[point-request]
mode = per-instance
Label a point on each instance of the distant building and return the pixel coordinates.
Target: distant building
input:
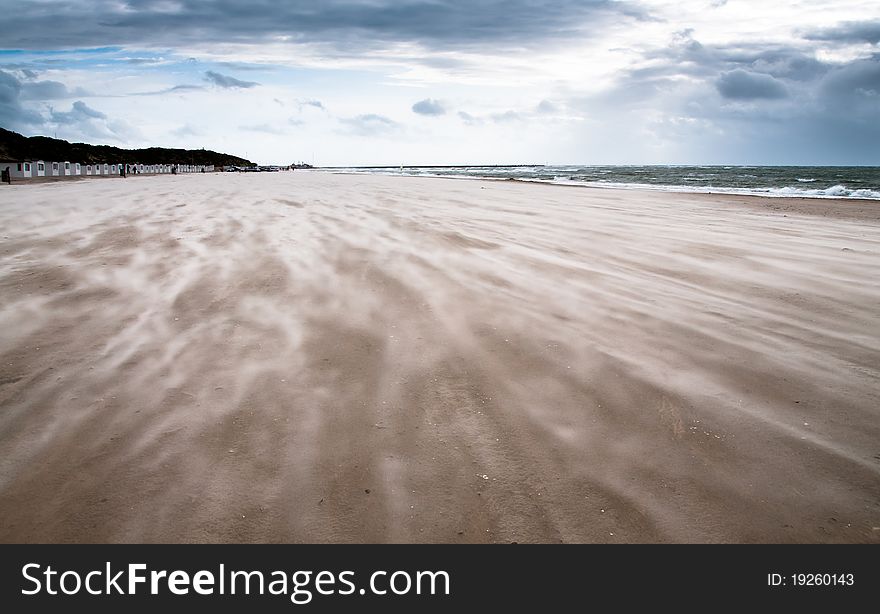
(42, 168)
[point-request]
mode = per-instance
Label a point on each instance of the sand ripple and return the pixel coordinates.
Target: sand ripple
(242, 358)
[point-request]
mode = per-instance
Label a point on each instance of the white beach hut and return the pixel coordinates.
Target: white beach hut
(53, 169)
(21, 170)
(41, 169)
(66, 169)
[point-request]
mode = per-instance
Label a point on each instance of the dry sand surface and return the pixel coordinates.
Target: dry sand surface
(307, 357)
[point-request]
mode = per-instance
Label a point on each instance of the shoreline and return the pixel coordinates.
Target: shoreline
(826, 206)
(639, 188)
(798, 199)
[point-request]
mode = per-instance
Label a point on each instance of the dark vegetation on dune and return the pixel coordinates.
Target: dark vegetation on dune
(16, 147)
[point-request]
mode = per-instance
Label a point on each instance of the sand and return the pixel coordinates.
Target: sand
(308, 357)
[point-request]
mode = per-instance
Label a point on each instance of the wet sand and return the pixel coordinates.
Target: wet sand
(306, 357)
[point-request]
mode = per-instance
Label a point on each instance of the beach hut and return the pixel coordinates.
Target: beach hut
(66, 169)
(77, 169)
(53, 169)
(21, 170)
(106, 169)
(41, 169)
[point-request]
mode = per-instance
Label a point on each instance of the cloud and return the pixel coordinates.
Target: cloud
(143, 61)
(179, 89)
(542, 112)
(84, 123)
(49, 90)
(744, 102)
(227, 82)
(187, 130)
(848, 32)
(80, 112)
(264, 128)
(370, 124)
(545, 107)
(507, 116)
(13, 114)
(741, 85)
(429, 107)
(316, 104)
(349, 26)
(853, 90)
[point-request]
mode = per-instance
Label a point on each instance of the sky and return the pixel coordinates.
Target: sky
(382, 82)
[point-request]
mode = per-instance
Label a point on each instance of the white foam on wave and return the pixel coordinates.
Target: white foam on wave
(837, 191)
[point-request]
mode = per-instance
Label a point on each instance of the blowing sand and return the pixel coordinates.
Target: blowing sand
(306, 357)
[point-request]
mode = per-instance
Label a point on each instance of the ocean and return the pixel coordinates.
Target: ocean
(779, 181)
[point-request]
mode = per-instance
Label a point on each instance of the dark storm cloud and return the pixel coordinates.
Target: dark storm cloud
(848, 32)
(227, 82)
(853, 91)
(687, 56)
(747, 103)
(13, 114)
(342, 24)
(429, 107)
(741, 85)
(31, 116)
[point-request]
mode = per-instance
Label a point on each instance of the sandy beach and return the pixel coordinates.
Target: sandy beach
(308, 357)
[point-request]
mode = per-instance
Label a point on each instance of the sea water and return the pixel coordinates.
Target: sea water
(780, 181)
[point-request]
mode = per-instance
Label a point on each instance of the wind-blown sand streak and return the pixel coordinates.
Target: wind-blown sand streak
(312, 357)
